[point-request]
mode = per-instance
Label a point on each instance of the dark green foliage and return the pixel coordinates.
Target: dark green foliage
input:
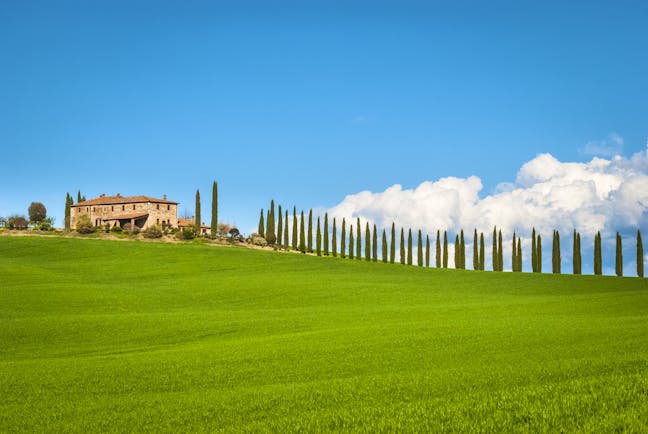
(519, 255)
(334, 238)
(495, 255)
(534, 251)
(83, 225)
(640, 255)
(374, 245)
(286, 243)
(427, 251)
(619, 256)
(419, 256)
(392, 245)
(576, 256)
(384, 247)
(309, 239)
(198, 216)
(214, 209)
(37, 212)
(514, 254)
(279, 226)
(261, 228)
(271, 234)
(409, 246)
(294, 229)
(318, 239)
(555, 254)
(462, 250)
(457, 255)
(80, 198)
(580, 256)
(326, 236)
(482, 252)
(402, 247)
(437, 258)
(598, 261)
(68, 204)
(500, 253)
(359, 240)
(445, 249)
(475, 251)
(302, 233)
(367, 242)
(343, 239)
(539, 254)
(351, 243)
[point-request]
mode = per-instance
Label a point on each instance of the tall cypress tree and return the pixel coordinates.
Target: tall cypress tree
(427, 251)
(575, 253)
(475, 251)
(534, 252)
(302, 234)
(495, 254)
(334, 239)
(384, 246)
(580, 257)
(445, 249)
(598, 262)
(68, 206)
(519, 255)
(619, 256)
(438, 249)
(402, 247)
(409, 246)
(309, 239)
(514, 254)
(462, 251)
(558, 256)
(343, 239)
(374, 245)
(286, 243)
(279, 226)
(261, 228)
(198, 217)
(351, 243)
(79, 196)
(482, 252)
(500, 253)
(640, 255)
(214, 216)
(295, 244)
(271, 235)
(457, 254)
(367, 242)
(419, 256)
(392, 245)
(318, 239)
(539, 254)
(326, 235)
(359, 240)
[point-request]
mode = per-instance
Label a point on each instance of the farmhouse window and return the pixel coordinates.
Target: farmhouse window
(123, 207)
(168, 207)
(158, 206)
(112, 208)
(133, 206)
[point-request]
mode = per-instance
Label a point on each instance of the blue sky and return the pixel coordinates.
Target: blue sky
(306, 102)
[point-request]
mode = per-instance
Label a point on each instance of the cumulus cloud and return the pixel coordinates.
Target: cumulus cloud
(607, 147)
(602, 194)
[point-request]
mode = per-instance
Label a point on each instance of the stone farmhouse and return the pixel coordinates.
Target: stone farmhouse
(140, 211)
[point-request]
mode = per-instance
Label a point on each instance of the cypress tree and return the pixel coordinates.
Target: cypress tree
(427, 251)
(261, 228)
(475, 251)
(575, 253)
(534, 252)
(326, 235)
(598, 262)
(457, 255)
(392, 245)
(343, 239)
(351, 244)
(374, 245)
(445, 249)
(367, 242)
(495, 254)
(309, 239)
(558, 256)
(482, 252)
(619, 256)
(640, 255)
(198, 217)
(514, 255)
(294, 229)
(68, 207)
(384, 246)
(409, 246)
(419, 256)
(580, 257)
(359, 240)
(402, 247)
(271, 235)
(214, 216)
(318, 239)
(334, 239)
(286, 243)
(539, 254)
(462, 251)
(79, 196)
(438, 250)
(500, 253)
(279, 226)
(519, 255)
(302, 234)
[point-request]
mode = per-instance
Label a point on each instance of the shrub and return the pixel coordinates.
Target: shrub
(3, 222)
(259, 241)
(116, 229)
(187, 234)
(154, 231)
(17, 222)
(47, 224)
(84, 225)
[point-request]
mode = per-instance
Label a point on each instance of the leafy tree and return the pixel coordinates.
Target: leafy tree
(419, 256)
(198, 216)
(37, 212)
(374, 245)
(482, 252)
(326, 235)
(343, 239)
(279, 226)
(619, 256)
(384, 246)
(214, 216)
(334, 239)
(392, 245)
(302, 234)
(539, 254)
(309, 240)
(351, 243)
(286, 243)
(402, 246)
(367, 242)
(318, 239)
(359, 240)
(445, 249)
(427, 251)
(475, 251)
(294, 229)
(438, 249)
(68, 206)
(640, 255)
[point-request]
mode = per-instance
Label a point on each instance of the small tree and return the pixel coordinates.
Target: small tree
(214, 215)
(445, 249)
(198, 216)
(438, 249)
(619, 256)
(495, 254)
(343, 239)
(279, 226)
(539, 254)
(475, 251)
(457, 255)
(367, 242)
(318, 239)
(462, 250)
(427, 251)
(359, 240)
(334, 239)
(302, 234)
(261, 229)
(294, 229)
(519, 255)
(534, 251)
(402, 247)
(392, 244)
(68, 206)
(598, 262)
(351, 243)
(309, 240)
(271, 235)
(37, 212)
(286, 243)
(419, 250)
(575, 253)
(384, 247)
(482, 252)
(374, 245)
(326, 235)
(514, 254)
(84, 225)
(640, 255)
(18, 222)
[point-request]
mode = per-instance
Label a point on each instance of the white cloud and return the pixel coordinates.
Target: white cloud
(607, 147)
(602, 194)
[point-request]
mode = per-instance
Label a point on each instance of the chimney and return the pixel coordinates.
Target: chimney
(102, 195)
(164, 197)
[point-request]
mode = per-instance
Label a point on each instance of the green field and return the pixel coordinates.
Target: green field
(123, 336)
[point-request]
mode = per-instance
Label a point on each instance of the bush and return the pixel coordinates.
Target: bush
(116, 229)
(259, 241)
(17, 222)
(3, 222)
(84, 225)
(47, 224)
(187, 234)
(152, 232)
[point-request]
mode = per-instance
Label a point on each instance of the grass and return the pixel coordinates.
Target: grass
(102, 335)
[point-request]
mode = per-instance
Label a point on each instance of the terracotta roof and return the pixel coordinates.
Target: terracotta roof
(111, 200)
(128, 216)
(190, 222)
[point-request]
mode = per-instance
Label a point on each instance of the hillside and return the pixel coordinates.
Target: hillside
(129, 336)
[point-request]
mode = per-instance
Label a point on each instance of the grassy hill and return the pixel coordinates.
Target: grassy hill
(132, 336)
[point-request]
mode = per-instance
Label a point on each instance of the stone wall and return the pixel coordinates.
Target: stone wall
(158, 213)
